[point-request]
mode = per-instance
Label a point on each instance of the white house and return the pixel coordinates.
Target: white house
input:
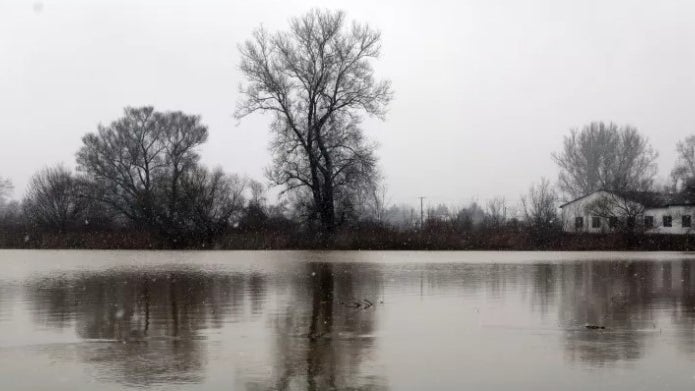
(603, 211)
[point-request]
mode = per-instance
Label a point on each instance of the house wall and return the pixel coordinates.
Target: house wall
(578, 208)
(676, 213)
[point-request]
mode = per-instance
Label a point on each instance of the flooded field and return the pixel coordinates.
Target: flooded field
(102, 320)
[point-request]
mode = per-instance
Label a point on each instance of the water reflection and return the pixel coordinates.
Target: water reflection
(324, 332)
(155, 318)
(342, 325)
(635, 301)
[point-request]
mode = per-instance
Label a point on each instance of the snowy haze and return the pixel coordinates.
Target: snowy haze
(484, 89)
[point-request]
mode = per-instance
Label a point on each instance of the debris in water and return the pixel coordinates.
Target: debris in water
(595, 327)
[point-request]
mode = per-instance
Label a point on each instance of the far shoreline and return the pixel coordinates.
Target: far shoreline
(360, 240)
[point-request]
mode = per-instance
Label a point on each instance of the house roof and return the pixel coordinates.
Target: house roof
(649, 199)
(578, 198)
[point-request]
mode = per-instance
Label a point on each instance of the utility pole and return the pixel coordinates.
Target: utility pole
(422, 214)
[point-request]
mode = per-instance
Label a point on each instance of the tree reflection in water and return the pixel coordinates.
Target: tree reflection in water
(322, 331)
(634, 300)
(156, 318)
(324, 338)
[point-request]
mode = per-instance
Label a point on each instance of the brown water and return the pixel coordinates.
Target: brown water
(102, 320)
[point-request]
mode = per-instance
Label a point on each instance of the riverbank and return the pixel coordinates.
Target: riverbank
(356, 239)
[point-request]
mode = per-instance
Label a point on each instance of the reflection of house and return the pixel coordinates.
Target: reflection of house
(604, 211)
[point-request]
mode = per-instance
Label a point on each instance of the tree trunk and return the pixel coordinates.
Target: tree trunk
(327, 209)
(327, 215)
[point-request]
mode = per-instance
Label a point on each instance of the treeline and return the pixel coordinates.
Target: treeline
(139, 182)
(139, 186)
(139, 177)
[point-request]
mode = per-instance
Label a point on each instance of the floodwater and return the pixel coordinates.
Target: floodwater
(106, 320)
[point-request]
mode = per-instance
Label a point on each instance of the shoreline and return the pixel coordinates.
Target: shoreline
(360, 240)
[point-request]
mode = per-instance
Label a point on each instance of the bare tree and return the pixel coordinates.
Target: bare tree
(55, 199)
(138, 163)
(605, 156)
(124, 159)
(5, 190)
(540, 209)
(402, 217)
(8, 209)
(316, 79)
(683, 172)
(255, 215)
(212, 201)
(257, 193)
(377, 198)
(496, 213)
(469, 218)
(182, 135)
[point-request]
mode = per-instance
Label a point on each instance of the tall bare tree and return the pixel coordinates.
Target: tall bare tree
(316, 79)
(605, 156)
(683, 172)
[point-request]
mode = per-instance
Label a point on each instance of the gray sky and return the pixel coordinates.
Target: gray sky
(485, 89)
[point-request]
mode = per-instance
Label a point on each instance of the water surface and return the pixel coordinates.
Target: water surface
(106, 320)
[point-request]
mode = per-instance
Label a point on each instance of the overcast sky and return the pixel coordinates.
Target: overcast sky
(485, 89)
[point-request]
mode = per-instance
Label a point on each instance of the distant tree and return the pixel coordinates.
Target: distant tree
(496, 213)
(211, 201)
(316, 79)
(257, 193)
(5, 190)
(55, 199)
(366, 200)
(540, 210)
(605, 156)
(376, 199)
(9, 210)
(255, 216)
(440, 213)
(139, 162)
(683, 172)
(402, 217)
(11, 215)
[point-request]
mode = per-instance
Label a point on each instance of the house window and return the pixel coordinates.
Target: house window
(685, 221)
(612, 222)
(595, 222)
(579, 222)
(667, 221)
(631, 222)
(648, 221)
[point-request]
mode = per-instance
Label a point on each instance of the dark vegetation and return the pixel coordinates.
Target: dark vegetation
(366, 237)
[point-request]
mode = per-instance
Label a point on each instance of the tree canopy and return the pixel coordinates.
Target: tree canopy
(144, 166)
(605, 156)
